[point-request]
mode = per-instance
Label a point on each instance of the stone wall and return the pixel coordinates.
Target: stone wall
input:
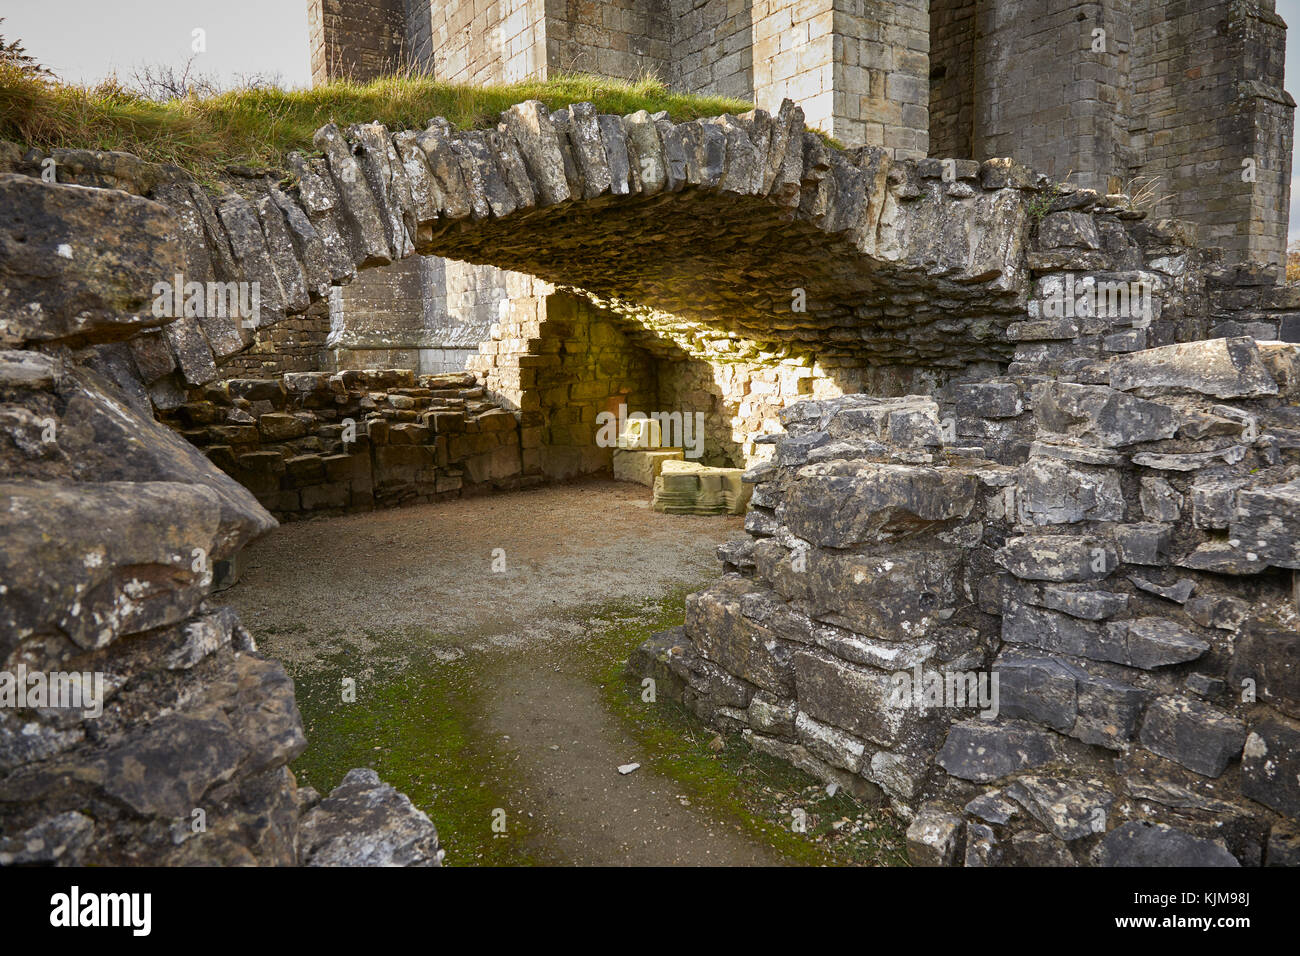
(316, 443)
(1182, 93)
(172, 741)
(627, 39)
(1208, 96)
(880, 77)
(356, 39)
(425, 313)
(298, 344)
(858, 69)
(1046, 93)
(714, 49)
(480, 41)
(1108, 529)
(561, 364)
(953, 43)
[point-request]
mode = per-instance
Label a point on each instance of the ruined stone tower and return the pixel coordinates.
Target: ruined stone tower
(1186, 91)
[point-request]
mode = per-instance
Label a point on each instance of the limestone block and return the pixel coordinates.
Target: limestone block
(686, 487)
(643, 467)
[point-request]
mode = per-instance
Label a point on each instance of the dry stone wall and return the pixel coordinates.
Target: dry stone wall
(314, 443)
(138, 722)
(1108, 530)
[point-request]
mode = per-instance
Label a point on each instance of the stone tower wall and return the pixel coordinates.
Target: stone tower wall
(358, 39)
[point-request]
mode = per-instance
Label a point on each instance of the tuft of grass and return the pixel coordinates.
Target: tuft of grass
(257, 127)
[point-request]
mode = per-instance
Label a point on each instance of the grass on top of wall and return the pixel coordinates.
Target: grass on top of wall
(257, 127)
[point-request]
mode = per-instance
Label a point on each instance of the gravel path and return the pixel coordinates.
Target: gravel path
(391, 586)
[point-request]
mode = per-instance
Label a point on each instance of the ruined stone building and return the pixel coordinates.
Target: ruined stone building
(990, 421)
(1184, 98)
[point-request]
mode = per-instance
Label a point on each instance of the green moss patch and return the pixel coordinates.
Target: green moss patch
(415, 726)
(836, 829)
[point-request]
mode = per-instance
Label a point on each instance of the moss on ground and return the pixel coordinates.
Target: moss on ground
(257, 127)
(415, 722)
(415, 726)
(707, 765)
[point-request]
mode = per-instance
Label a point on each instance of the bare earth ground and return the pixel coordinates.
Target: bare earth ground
(413, 592)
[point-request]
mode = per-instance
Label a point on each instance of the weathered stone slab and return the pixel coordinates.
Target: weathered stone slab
(1266, 522)
(879, 502)
(1069, 809)
(319, 198)
(386, 176)
(1058, 557)
(1142, 843)
(1102, 414)
(1050, 491)
(1195, 734)
(728, 638)
(1224, 368)
(983, 752)
(530, 124)
(1270, 765)
(123, 560)
(357, 211)
(646, 151)
(284, 256)
(934, 838)
(79, 264)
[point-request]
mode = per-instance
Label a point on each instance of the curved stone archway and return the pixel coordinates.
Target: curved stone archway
(750, 226)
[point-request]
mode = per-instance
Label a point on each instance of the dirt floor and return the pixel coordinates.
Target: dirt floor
(483, 638)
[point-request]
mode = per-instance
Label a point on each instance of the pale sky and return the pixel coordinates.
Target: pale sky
(85, 40)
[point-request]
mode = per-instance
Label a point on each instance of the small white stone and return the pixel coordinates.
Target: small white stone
(627, 768)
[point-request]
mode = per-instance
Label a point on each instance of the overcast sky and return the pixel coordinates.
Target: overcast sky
(85, 40)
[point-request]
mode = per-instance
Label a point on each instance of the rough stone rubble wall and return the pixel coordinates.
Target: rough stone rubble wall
(113, 528)
(1111, 528)
(298, 344)
(315, 443)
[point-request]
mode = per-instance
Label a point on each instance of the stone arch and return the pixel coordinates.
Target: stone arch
(750, 233)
